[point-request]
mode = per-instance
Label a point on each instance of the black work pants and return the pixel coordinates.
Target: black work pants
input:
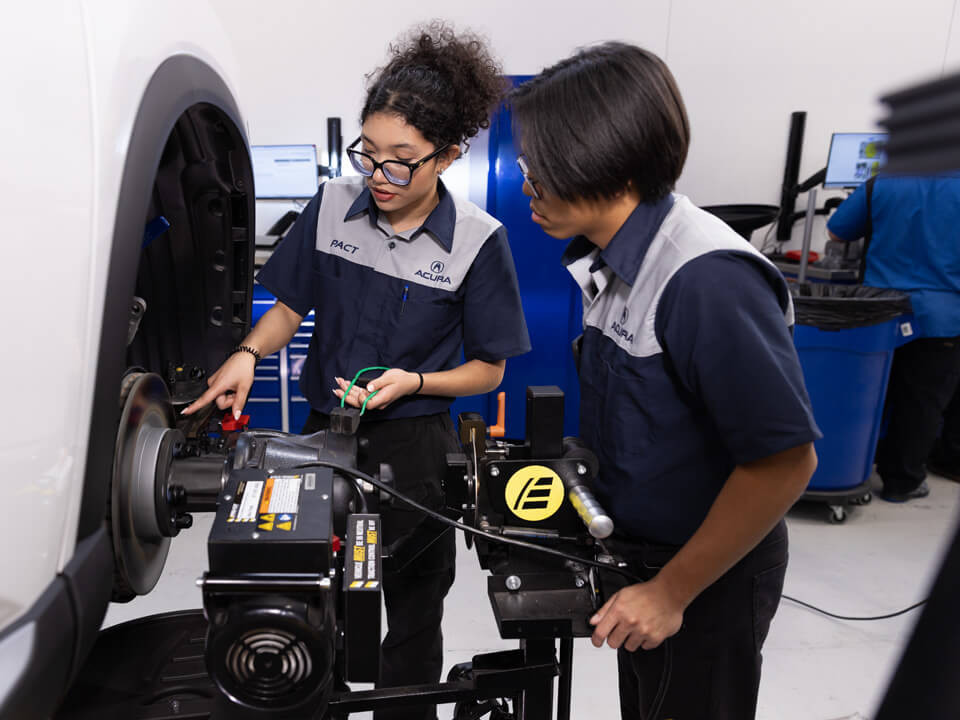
(715, 658)
(416, 448)
(948, 444)
(923, 380)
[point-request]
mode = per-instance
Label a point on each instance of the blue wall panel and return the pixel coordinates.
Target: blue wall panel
(551, 300)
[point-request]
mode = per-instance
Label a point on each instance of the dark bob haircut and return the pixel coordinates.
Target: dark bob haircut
(607, 117)
(445, 84)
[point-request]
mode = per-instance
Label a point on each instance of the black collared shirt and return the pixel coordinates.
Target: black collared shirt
(687, 367)
(420, 300)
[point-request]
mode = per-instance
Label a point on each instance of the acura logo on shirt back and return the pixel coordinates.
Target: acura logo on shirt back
(435, 274)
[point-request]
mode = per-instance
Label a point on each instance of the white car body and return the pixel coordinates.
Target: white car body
(74, 83)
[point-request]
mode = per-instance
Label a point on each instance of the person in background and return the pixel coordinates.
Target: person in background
(402, 275)
(911, 227)
(691, 391)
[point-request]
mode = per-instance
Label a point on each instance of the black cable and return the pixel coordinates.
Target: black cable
(668, 653)
(557, 553)
(466, 528)
(849, 617)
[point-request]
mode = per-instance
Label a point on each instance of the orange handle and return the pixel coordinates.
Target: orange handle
(500, 428)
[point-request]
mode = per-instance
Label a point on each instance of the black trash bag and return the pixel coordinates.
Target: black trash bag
(840, 307)
(744, 219)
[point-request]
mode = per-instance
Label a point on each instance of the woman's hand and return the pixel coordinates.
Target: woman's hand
(229, 385)
(393, 384)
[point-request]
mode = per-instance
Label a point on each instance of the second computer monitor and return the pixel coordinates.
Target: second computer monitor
(285, 171)
(854, 158)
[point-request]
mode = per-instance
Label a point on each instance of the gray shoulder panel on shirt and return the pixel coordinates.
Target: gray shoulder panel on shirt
(422, 260)
(627, 314)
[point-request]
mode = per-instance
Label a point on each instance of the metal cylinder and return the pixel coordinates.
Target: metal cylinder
(593, 515)
(807, 230)
(202, 479)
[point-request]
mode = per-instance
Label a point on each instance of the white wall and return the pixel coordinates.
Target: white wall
(743, 66)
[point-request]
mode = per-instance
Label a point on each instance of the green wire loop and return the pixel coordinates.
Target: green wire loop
(363, 408)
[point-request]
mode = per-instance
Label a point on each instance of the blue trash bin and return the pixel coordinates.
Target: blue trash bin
(845, 337)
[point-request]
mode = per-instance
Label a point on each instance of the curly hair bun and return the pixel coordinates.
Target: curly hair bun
(445, 84)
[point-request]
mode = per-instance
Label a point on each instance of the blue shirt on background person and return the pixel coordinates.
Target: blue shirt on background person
(915, 244)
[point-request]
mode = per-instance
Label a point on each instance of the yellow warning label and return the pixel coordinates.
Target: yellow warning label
(356, 583)
(266, 526)
(359, 553)
(285, 526)
(371, 537)
(268, 518)
(266, 522)
(371, 584)
(534, 493)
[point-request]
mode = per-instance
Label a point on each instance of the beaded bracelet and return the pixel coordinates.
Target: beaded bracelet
(247, 349)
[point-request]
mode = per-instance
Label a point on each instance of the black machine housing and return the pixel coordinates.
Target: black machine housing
(292, 597)
(533, 490)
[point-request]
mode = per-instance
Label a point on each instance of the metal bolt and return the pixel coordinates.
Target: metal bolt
(333, 572)
(325, 496)
(494, 471)
(581, 469)
(256, 536)
(175, 705)
(183, 521)
(464, 506)
(227, 498)
(513, 583)
(579, 582)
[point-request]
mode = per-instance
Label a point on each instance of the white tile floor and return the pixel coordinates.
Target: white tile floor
(881, 559)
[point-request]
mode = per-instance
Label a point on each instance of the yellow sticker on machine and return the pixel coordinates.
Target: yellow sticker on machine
(534, 493)
(362, 569)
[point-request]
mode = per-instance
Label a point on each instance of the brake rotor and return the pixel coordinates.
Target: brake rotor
(140, 548)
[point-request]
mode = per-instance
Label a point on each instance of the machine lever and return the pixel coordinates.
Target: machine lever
(593, 515)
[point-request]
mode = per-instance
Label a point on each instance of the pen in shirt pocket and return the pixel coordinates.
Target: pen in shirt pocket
(403, 299)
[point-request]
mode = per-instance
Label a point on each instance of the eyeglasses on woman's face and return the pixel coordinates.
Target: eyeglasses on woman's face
(397, 172)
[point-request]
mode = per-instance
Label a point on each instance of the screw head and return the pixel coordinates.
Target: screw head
(579, 582)
(513, 583)
(581, 469)
(494, 471)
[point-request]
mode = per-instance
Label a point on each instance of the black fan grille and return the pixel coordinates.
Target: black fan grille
(269, 664)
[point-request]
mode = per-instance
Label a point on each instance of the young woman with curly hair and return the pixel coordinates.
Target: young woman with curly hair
(405, 276)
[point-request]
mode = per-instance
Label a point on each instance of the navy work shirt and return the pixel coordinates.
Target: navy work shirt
(915, 245)
(687, 367)
(409, 300)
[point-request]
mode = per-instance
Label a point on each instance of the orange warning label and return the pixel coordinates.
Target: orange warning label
(265, 498)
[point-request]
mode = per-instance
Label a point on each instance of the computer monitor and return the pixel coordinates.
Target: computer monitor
(854, 158)
(285, 171)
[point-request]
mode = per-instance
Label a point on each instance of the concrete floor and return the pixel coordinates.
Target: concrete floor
(882, 559)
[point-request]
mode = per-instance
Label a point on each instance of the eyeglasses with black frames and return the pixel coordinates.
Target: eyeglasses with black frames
(525, 171)
(397, 172)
